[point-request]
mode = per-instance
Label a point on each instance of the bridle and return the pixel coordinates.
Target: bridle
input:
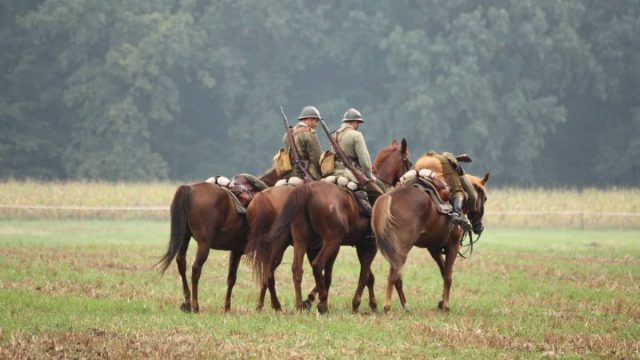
(406, 166)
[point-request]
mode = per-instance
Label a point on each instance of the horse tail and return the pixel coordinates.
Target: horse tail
(386, 229)
(258, 250)
(180, 233)
(295, 205)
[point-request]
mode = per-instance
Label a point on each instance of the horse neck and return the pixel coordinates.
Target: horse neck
(386, 169)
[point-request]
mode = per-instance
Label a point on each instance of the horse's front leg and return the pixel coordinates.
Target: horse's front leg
(450, 258)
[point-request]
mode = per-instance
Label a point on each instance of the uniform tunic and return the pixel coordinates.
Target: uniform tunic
(354, 147)
(309, 148)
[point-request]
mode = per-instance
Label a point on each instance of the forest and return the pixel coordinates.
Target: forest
(538, 92)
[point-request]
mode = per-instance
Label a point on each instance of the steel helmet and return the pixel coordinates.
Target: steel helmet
(309, 112)
(352, 115)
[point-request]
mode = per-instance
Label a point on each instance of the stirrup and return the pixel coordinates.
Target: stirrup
(461, 220)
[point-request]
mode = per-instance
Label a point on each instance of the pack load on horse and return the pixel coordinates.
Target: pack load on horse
(416, 213)
(321, 215)
(213, 213)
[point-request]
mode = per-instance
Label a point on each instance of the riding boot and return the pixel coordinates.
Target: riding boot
(457, 216)
(363, 201)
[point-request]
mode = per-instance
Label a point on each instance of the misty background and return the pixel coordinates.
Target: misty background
(538, 92)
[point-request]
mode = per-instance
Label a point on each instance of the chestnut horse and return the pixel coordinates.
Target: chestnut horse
(407, 217)
(205, 212)
(324, 216)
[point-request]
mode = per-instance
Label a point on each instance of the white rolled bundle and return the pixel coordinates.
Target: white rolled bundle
(352, 186)
(281, 182)
(222, 181)
(295, 181)
(342, 181)
(330, 179)
(427, 174)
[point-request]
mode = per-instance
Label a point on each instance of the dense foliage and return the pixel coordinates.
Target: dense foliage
(538, 92)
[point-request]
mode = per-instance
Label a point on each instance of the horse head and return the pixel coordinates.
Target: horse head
(475, 216)
(392, 162)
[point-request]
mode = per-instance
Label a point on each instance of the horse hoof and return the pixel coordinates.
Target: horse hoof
(277, 308)
(306, 305)
(442, 307)
(406, 308)
(374, 307)
(386, 309)
(227, 308)
(185, 307)
(322, 309)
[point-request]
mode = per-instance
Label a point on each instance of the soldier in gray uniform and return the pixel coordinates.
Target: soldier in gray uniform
(307, 143)
(354, 147)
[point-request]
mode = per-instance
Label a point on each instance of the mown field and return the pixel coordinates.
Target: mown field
(84, 286)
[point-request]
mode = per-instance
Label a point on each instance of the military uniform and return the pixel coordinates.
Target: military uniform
(352, 143)
(453, 175)
(308, 146)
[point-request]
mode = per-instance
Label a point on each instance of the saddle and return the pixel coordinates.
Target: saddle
(241, 189)
(358, 194)
(426, 180)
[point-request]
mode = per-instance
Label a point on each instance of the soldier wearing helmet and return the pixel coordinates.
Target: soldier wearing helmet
(354, 147)
(307, 143)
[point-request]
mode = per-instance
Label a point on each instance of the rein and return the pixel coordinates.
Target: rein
(469, 246)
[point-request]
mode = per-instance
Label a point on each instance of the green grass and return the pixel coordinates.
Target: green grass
(77, 288)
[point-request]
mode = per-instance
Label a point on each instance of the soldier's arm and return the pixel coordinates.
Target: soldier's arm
(363, 154)
(315, 150)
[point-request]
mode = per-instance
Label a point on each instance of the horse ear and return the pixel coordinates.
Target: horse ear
(404, 147)
(485, 178)
(394, 142)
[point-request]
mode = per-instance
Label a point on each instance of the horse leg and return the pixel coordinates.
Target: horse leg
(311, 255)
(436, 254)
(181, 260)
(395, 280)
(450, 258)
(327, 254)
(373, 304)
(366, 253)
(196, 271)
(296, 269)
(271, 281)
(234, 261)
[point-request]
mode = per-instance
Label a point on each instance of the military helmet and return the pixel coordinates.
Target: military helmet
(352, 115)
(309, 112)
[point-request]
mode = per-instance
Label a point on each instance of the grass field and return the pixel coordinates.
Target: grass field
(86, 289)
(590, 209)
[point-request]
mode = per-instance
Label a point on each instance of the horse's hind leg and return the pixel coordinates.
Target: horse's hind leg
(296, 269)
(234, 261)
(366, 253)
(395, 280)
(311, 255)
(322, 266)
(196, 271)
(181, 260)
(271, 280)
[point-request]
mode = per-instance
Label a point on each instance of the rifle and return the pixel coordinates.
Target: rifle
(292, 145)
(356, 172)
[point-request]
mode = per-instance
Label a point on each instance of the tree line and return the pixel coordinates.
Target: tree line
(537, 92)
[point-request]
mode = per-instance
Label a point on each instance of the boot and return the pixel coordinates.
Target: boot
(457, 216)
(363, 202)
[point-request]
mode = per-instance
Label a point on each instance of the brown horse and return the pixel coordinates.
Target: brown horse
(407, 217)
(205, 212)
(323, 216)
